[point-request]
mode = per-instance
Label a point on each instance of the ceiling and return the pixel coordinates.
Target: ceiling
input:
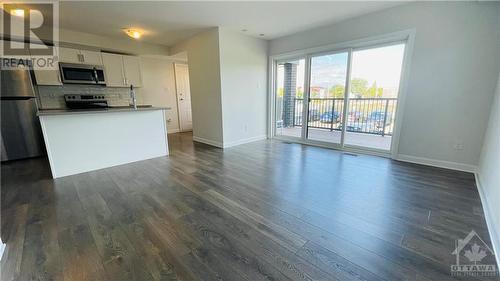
(170, 22)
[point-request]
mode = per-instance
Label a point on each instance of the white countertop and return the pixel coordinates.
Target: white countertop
(45, 112)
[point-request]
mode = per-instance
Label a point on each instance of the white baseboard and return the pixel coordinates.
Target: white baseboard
(207, 141)
(172, 131)
(242, 141)
(437, 163)
(229, 144)
(492, 228)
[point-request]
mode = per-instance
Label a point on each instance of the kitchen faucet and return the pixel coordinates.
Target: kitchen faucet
(133, 100)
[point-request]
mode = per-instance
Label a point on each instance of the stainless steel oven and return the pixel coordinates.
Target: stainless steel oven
(72, 73)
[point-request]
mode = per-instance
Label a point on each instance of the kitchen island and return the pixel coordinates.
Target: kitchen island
(79, 141)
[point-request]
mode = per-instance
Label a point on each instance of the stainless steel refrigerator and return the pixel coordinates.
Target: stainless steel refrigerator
(21, 135)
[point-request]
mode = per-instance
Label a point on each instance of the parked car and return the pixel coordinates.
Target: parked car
(330, 116)
(378, 116)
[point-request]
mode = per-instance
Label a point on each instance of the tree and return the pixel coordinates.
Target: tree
(380, 92)
(299, 94)
(281, 92)
(337, 91)
(359, 86)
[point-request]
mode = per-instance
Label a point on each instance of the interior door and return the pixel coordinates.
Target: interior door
(327, 84)
(183, 97)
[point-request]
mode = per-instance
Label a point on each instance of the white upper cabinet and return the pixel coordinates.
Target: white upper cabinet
(121, 70)
(132, 69)
(79, 56)
(91, 57)
(69, 55)
(113, 68)
(47, 76)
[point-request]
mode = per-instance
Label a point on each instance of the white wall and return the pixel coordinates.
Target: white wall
(228, 80)
(452, 75)
(205, 85)
(489, 170)
(158, 89)
(243, 66)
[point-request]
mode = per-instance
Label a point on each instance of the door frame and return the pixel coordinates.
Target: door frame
(179, 115)
(406, 36)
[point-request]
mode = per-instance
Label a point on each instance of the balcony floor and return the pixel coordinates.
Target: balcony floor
(357, 139)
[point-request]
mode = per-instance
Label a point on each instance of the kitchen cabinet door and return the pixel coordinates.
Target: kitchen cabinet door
(70, 55)
(47, 76)
(91, 57)
(113, 69)
(132, 67)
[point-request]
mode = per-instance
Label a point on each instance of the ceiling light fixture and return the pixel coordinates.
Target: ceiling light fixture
(134, 33)
(17, 12)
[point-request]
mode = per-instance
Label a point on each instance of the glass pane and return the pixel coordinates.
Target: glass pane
(327, 92)
(289, 97)
(373, 96)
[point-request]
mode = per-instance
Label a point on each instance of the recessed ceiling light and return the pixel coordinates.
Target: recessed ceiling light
(134, 33)
(17, 12)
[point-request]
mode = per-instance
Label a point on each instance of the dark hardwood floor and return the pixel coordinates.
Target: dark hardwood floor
(266, 210)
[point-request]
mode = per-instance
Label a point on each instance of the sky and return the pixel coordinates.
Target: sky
(382, 65)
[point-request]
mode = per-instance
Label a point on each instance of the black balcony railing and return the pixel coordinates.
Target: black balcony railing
(365, 115)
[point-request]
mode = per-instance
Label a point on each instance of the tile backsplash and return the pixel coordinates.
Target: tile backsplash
(52, 97)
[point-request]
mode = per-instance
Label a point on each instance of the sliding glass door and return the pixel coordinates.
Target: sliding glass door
(346, 98)
(373, 96)
(290, 97)
(328, 77)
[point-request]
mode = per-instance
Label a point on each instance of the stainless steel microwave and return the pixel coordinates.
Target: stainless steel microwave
(72, 73)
